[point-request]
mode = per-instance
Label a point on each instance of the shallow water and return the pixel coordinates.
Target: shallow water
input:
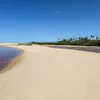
(6, 55)
(88, 49)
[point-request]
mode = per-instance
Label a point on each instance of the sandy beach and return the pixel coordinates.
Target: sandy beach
(52, 74)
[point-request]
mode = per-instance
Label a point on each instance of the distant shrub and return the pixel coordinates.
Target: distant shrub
(28, 44)
(20, 43)
(81, 41)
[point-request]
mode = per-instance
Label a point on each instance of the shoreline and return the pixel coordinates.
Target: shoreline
(79, 48)
(48, 74)
(14, 61)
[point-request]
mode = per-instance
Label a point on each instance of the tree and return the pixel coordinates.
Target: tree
(97, 38)
(71, 39)
(92, 37)
(58, 39)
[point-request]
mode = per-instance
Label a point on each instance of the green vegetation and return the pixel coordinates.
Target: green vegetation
(81, 41)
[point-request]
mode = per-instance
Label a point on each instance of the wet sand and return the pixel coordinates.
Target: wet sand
(7, 55)
(81, 48)
(52, 74)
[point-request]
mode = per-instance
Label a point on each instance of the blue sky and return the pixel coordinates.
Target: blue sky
(48, 20)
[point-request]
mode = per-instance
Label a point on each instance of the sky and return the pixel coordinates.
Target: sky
(48, 20)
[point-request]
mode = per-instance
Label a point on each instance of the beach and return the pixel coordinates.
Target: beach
(52, 74)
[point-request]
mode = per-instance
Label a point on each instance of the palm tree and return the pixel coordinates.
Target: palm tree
(80, 38)
(97, 38)
(58, 39)
(92, 37)
(71, 39)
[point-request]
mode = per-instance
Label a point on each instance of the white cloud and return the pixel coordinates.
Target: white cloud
(55, 13)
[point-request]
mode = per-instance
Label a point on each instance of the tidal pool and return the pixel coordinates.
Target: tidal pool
(7, 55)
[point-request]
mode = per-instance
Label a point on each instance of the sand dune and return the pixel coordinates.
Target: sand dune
(52, 74)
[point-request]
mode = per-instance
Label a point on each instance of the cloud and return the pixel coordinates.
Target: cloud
(56, 13)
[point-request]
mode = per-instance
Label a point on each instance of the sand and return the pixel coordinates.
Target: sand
(52, 74)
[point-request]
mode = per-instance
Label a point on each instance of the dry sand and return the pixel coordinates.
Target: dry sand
(52, 74)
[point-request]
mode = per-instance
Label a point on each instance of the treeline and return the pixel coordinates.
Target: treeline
(81, 41)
